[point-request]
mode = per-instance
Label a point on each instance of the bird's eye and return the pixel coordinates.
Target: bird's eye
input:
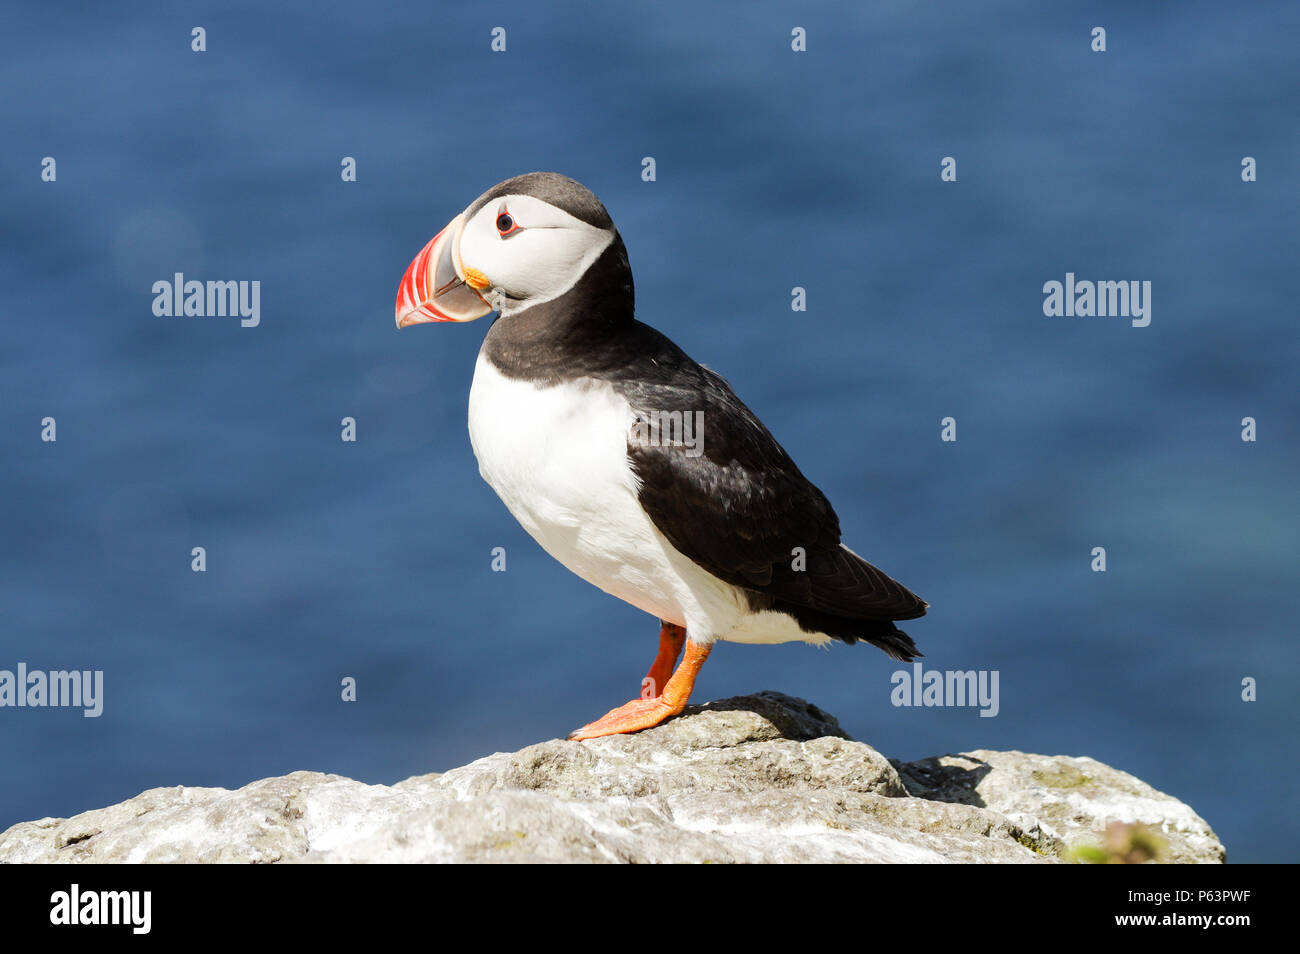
(506, 223)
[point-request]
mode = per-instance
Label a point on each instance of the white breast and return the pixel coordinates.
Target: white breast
(557, 458)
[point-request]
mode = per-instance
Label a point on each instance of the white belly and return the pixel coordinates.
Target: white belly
(557, 458)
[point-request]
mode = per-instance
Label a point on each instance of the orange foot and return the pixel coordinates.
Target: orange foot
(644, 713)
(671, 637)
(629, 717)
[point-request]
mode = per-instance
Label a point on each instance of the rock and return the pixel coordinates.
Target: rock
(1069, 798)
(762, 778)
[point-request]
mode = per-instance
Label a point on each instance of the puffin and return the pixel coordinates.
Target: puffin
(635, 467)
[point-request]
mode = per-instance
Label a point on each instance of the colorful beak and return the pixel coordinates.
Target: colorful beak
(434, 287)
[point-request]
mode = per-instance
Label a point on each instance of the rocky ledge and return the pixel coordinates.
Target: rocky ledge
(761, 778)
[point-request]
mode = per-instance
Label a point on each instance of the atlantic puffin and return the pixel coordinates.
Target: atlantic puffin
(632, 465)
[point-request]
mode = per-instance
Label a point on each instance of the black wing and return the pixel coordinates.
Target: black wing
(737, 505)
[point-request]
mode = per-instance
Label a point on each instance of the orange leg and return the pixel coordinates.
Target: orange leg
(671, 637)
(644, 713)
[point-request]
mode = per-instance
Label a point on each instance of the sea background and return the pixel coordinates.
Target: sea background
(819, 169)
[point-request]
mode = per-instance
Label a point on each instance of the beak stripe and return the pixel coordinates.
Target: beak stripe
(414, 291)
(433, 290)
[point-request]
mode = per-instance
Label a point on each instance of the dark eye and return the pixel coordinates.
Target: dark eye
(505, 223)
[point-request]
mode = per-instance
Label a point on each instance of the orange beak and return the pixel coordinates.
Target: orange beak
(434, 286)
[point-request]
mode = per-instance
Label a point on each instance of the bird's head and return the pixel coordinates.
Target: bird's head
(525, 241)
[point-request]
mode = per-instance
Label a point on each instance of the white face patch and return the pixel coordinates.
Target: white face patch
(544, 256)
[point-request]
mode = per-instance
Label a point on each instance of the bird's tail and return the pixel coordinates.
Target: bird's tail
(895, 643)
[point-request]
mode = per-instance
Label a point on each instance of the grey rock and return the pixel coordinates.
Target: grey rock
(761, 778)
(1072, 799)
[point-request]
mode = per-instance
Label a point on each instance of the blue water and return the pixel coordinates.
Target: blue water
(372, 560)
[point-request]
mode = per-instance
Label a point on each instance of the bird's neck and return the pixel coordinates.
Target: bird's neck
(586, 327)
